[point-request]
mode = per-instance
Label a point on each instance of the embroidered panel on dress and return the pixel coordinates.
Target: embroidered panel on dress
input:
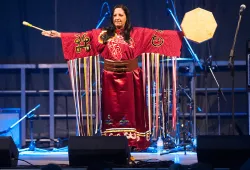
(115, 48)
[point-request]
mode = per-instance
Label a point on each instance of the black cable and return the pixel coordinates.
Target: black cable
(156, 164)
(26, 162)
(39, 142)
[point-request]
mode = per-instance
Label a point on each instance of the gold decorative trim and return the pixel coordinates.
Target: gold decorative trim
(130, 133)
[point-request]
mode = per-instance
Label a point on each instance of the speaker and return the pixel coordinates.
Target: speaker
(98, 150)
(8, 152)
(9, 116)
(223, 151)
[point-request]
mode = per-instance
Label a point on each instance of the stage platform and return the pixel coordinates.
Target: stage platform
(38, 159)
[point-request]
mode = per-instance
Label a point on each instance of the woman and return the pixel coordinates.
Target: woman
(123, 102)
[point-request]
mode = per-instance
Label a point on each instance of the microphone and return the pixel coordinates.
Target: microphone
(209, 58)
(209, 61)
(242, 8)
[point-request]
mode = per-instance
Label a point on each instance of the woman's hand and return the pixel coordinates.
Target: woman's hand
(52, 34)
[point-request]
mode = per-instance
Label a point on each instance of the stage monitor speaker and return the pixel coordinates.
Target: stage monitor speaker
(98, 150)
(9, 116)
(8, 152)
(223, 151)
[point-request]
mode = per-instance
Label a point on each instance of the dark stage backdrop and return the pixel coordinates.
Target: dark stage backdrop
(24, 45)
(20, 44)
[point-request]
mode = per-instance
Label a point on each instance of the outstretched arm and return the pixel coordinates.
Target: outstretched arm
(164, 42)
(52, 34)
(76, 45)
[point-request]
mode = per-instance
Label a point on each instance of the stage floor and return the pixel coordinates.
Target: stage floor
(61, 157)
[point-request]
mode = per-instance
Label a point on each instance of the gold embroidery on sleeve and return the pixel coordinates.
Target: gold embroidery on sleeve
(157, 40)
(82, 43)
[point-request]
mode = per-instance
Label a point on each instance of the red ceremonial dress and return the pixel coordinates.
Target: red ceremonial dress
(124, 110)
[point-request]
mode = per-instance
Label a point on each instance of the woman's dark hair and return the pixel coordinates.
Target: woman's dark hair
(111, 29)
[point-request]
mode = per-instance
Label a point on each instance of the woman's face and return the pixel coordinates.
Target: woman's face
(119, 18)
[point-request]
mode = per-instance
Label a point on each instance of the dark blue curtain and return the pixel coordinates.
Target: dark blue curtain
(19, 44)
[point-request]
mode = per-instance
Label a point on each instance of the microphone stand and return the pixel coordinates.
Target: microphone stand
(208, 64)
(206, 96)
(103, 18)
(231, 66)
(16, 123)
(32, 143)
(219, 91)
(191, 107)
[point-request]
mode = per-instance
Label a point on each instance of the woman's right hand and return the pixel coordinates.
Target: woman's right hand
(52, 33)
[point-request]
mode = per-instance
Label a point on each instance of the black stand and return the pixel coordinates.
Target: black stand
(231, 64)
(189, 125)
(184, 143)
(206, 95)
(32, 145)
(219, 91)
(208, 64)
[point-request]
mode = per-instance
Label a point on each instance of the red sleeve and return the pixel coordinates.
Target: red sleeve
(166, 42)
(79, 45)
